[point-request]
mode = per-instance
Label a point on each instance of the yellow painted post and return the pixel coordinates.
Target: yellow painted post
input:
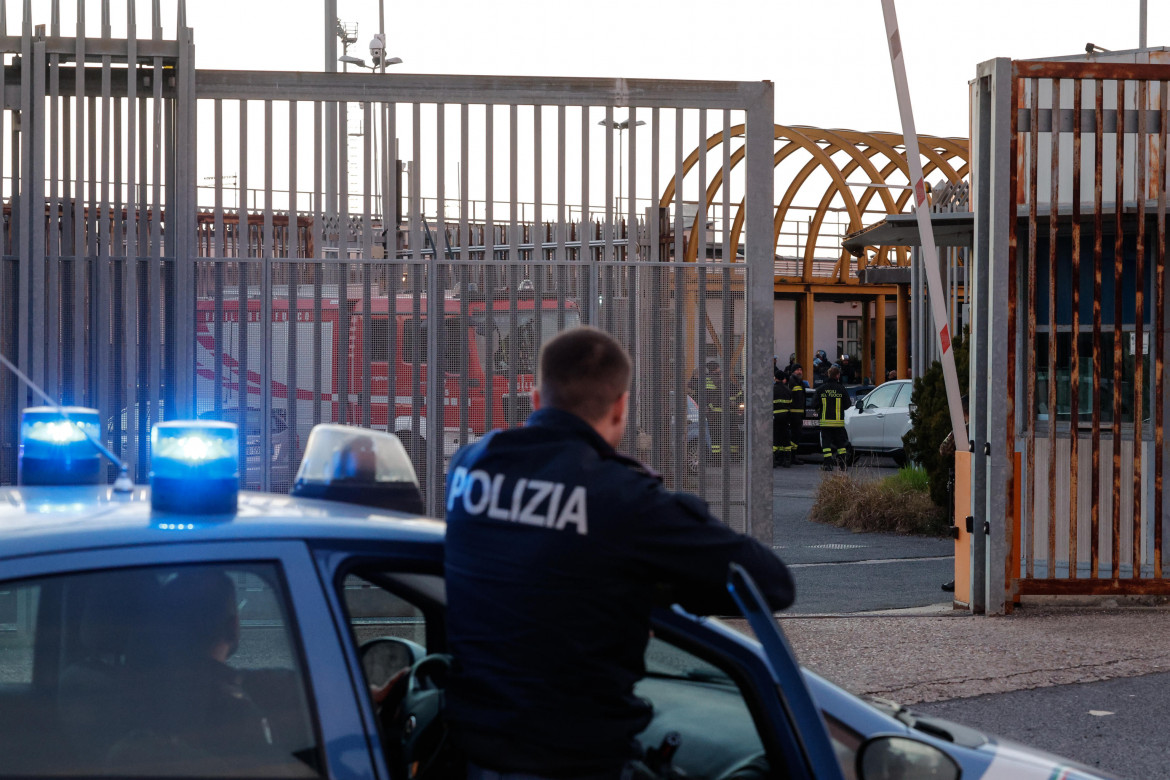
(962, 509)
(807, 328)
(866, 351)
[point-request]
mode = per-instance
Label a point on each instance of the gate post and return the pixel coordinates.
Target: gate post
(991, 412)
(760, 258)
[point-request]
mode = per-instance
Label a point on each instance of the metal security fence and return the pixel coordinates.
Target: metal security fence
(1079, 200)
(283, 249)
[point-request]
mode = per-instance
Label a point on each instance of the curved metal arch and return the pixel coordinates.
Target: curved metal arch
(860, 147)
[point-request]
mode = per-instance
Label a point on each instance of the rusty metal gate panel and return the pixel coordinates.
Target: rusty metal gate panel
(275, 248)
(1086, 241)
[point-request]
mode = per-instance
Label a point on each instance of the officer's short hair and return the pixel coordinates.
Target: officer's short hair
(583, 371)
(834, 372)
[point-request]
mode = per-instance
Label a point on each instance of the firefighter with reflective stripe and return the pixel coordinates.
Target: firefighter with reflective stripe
(782, 446)
(557, 548)
(831, 400)
(798, 387)
(714, 398)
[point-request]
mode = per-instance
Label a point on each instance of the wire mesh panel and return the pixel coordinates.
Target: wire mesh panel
(507, 219)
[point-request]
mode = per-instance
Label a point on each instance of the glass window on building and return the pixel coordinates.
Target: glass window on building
(848, 338)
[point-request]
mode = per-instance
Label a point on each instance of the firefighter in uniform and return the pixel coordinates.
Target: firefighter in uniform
(797, 385)
(830, 400)
(713, 397)
(782, 446)
(557, 548)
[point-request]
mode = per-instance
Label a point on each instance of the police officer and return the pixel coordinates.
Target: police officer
(830, 400)
(782, 446)
(798, 387)
(557, 547)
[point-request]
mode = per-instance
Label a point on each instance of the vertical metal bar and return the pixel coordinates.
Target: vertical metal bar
(78, 223)
(1013, 518)
(53, 283)
(585, 232)
(562, 253)
(727, 257)
(1139, 283)
(1118, 323)
(342, 358)
(318, 358)
(513, 264)
(134, 433)
(390, 209)
(266, 295)
(464, 271)
(631, 271)
(155, 295)
(1098, 362)
(436, 305)
(104, 358)
(489, 258)
(220, 254)
(183, 144)
(681, 337)
(292, 376)
(609, 218)
(367, 238)
(244, 269)
(723, 434)
(1160, 325)
(1075, 354)
(1028, 514)
(22, 162)
(34, 201)
(418, 270)
(1053, 336)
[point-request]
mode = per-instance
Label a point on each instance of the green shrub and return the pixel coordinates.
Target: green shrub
(930, 422)
(899, 503)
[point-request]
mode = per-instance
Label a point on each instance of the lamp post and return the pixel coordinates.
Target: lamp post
(621, 127)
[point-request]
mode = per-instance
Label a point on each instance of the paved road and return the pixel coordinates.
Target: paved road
(838, 571)
(1118, 726)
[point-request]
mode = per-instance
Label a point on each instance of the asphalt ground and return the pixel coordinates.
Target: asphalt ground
(1089, 681)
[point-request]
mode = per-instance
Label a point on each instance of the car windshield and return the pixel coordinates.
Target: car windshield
(664, 660)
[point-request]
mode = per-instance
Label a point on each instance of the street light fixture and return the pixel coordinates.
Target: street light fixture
(621, 127)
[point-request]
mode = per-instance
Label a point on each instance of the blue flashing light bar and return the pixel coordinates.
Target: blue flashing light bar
(195, 467)
(55, 448)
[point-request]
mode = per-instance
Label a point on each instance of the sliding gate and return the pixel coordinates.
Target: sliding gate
(283, 249)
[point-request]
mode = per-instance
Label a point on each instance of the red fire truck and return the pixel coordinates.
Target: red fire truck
(488, 349)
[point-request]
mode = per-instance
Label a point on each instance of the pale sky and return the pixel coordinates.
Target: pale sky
(828, 58)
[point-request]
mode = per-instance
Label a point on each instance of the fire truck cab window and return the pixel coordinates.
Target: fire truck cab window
(510, 351)
(454, 346)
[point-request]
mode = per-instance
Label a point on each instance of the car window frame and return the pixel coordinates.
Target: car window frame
(905, 392)
(869, 403)
(333, 715)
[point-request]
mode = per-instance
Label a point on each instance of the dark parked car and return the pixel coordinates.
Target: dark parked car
(810, 439)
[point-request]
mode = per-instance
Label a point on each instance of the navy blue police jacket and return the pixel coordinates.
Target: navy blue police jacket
(557, 548)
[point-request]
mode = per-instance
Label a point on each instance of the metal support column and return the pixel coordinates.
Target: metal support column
(880, 340)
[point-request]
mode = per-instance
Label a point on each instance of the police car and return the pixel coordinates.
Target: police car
(189, 629)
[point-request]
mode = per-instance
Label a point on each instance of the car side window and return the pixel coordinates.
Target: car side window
(180, 671)
(904, 394)
(881, 397)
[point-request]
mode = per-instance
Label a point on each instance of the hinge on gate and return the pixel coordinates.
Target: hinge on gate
(970, 524)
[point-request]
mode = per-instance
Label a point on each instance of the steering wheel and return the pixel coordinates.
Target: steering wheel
(413, 719)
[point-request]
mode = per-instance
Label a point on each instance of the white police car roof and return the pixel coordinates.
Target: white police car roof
(40, 520)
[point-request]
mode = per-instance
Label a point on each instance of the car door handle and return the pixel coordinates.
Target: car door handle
(880, 416)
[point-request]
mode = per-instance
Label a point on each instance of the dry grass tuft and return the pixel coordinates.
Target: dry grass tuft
(897, 504)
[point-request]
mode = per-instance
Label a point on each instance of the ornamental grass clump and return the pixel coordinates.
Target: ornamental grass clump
(899, 503)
